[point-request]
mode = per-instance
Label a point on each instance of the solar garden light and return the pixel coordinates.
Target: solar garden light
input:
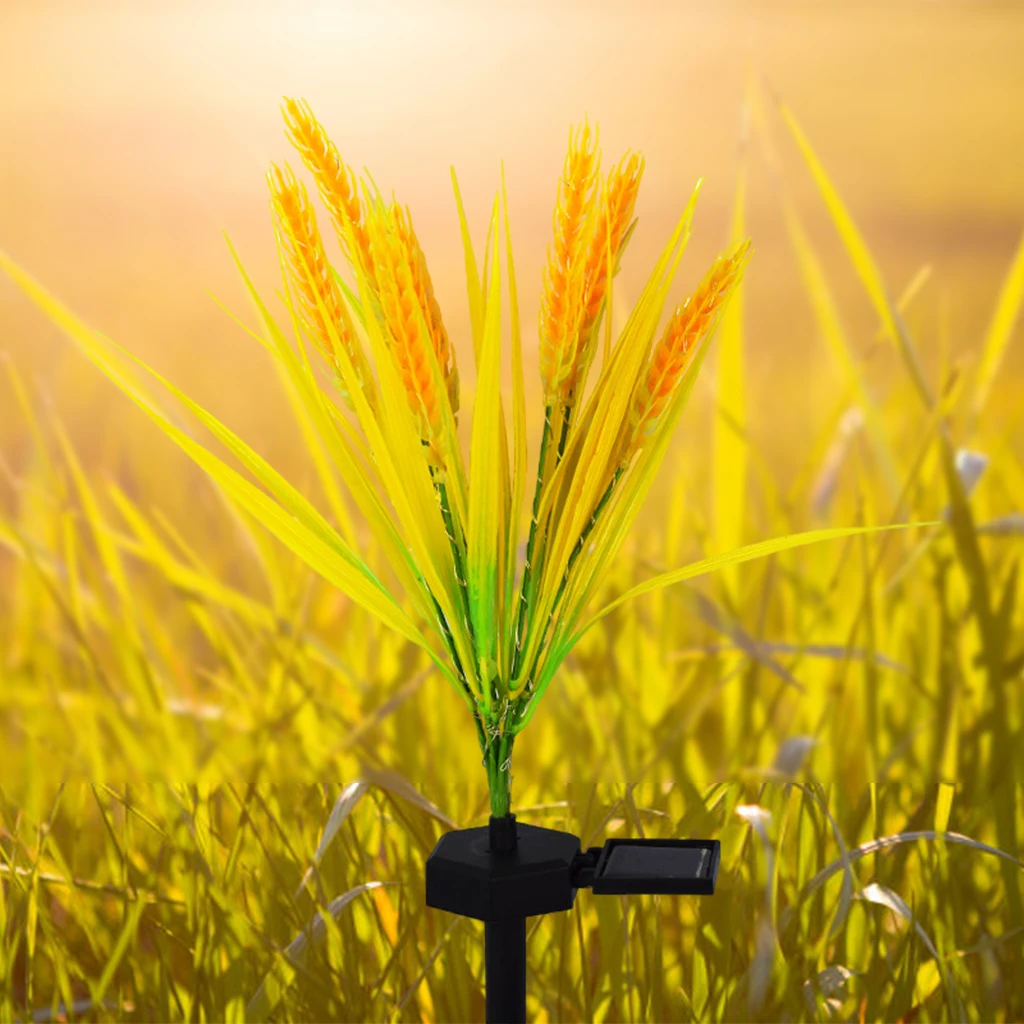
(450, 533)
(505, 872)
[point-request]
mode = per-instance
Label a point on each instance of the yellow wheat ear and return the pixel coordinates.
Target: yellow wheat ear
(323, 307)
(692, 320)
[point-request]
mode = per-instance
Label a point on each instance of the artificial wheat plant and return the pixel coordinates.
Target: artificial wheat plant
(450, 532)
(505, 632)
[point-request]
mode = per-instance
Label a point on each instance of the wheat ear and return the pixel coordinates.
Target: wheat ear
(407, 328)
(414, 258)
(564, 282)
(334, 180)
(691, 321)
(321, 301)
(614, 227)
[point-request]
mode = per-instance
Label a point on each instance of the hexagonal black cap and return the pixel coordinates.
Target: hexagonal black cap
(465, 877)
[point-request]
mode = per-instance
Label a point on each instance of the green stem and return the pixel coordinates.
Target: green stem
(460, 576)
(460, 572)
(526, 595)
(566, 416)
(498, 762)
(442, 619)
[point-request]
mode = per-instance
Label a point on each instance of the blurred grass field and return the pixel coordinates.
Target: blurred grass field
(201, 743)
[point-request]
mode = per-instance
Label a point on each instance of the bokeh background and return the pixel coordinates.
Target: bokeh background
(135, 134)
(149, 644)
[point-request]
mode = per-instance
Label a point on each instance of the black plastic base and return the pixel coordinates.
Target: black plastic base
(466, 876)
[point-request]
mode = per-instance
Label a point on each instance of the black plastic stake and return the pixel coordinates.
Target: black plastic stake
(505, 943)
(505, 964)
(505, 872)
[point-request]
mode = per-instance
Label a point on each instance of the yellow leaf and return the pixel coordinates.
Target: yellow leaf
(1000, 330)
(473, 289)
(745, 554)
(518, 436)
(816, 286)
(344, 447)
(485, 489)
(729, 462)
(861, 258)
(301, 528)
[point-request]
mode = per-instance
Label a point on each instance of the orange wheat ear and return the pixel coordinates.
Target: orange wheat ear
(613, 229)
(334, 180)
(614, 226)
(407, 325)
(562, 306)
(691, 321)
(322, 305)
(414, 257)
